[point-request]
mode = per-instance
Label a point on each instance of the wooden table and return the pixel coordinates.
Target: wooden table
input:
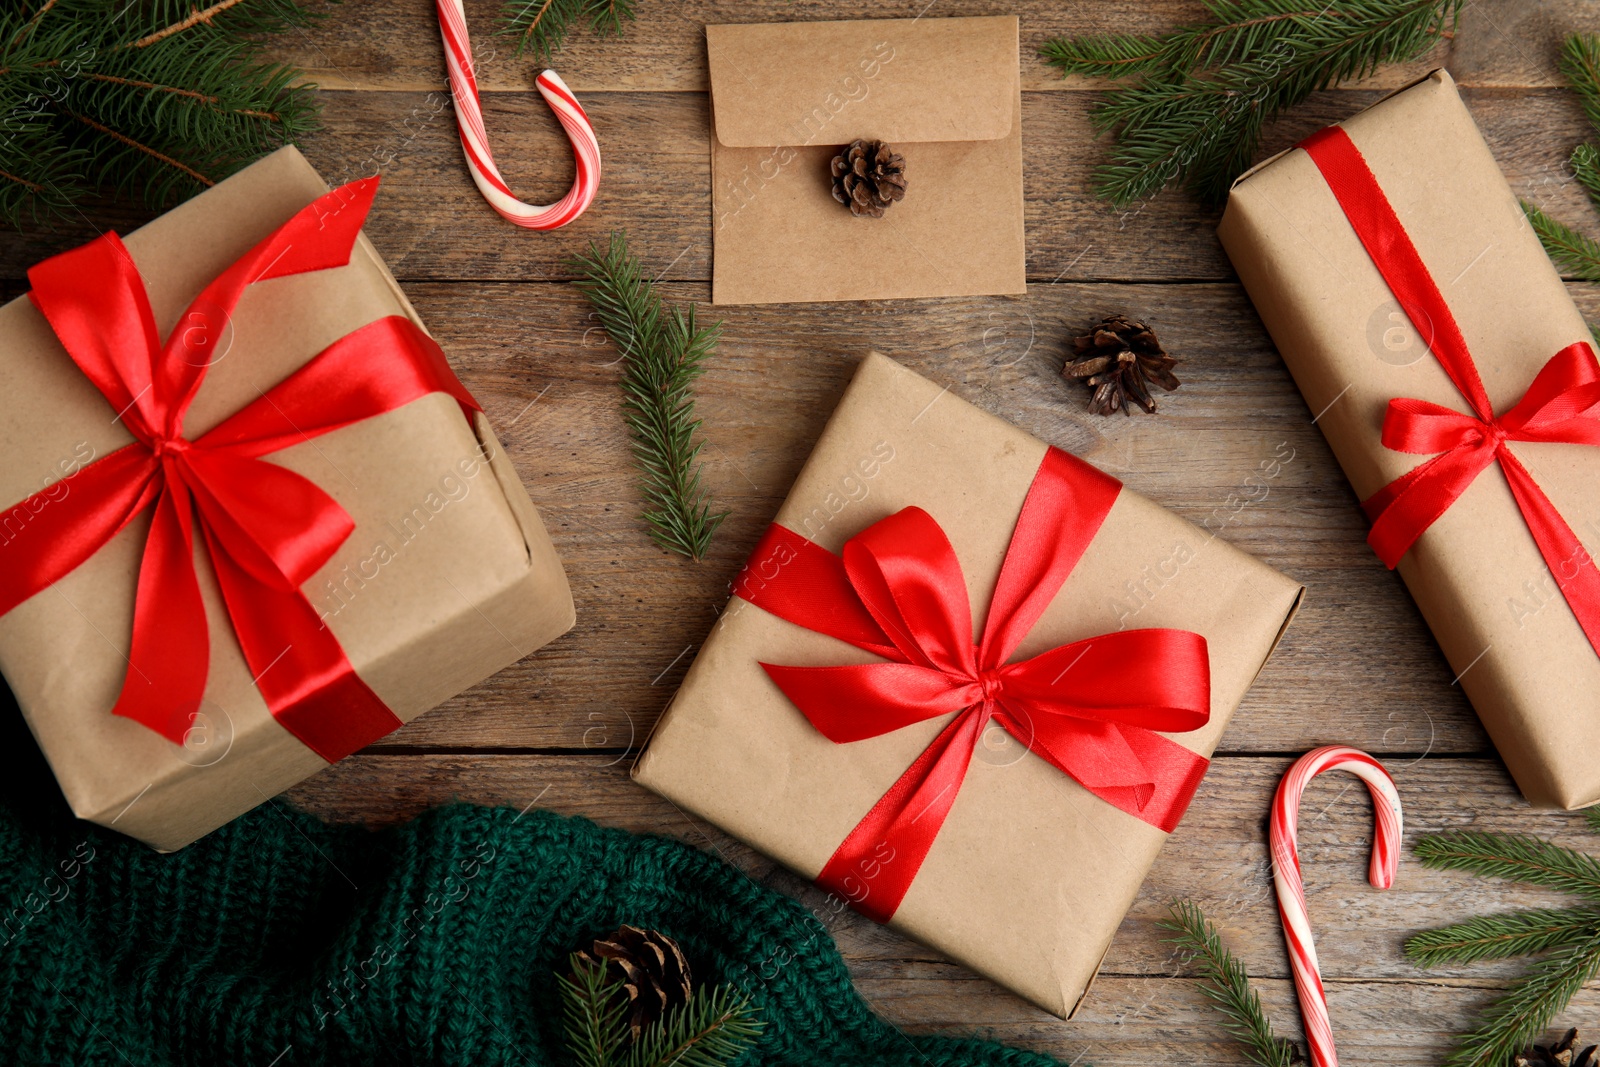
(559, 728)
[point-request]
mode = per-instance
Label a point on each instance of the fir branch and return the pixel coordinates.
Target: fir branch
(1526, 1010)
(595, 1012)
(1580, 64)
(1206, 90)
(1494, 937)
(146, 149)
(1223, 980)
(1515, 858)
(1574, 254)
(713, 1029)
(159, 98)
(1585, 163)
(541, 26)
(1568, 939)
(196, 18)
(662, 355)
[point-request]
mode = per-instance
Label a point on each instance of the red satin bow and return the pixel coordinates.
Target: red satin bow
(266, 529)
(1088, 708)
(1561, 406)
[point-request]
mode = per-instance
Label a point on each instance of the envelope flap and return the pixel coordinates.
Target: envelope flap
(897, 80)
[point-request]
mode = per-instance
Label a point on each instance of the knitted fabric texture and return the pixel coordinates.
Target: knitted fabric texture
(280, 940)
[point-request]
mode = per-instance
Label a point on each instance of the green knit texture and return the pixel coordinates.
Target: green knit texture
(279, 940)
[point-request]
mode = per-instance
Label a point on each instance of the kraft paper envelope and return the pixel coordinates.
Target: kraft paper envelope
(945, 93)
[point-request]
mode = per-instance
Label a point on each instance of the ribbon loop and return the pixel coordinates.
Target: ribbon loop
(899, 592)
(265, 529)
(1562, 405)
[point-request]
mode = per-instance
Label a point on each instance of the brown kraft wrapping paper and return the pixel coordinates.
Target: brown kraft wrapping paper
(1007, 888)
(1476, 574)
(448, 577)
(944, 93)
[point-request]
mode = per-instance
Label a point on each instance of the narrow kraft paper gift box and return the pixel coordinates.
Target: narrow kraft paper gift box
(1024, 873)
(944, 93)
(447, 576)
(1480, 295)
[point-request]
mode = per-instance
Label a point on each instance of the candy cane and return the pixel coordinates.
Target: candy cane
(475, 138)
(1291, 889)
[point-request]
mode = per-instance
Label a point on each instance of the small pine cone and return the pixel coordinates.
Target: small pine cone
(1118, 359)
(868, 176)
(652, 970)
(1560, 1054)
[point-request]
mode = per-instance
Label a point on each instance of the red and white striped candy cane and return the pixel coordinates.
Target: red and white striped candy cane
(475, 138)
(1291, 889)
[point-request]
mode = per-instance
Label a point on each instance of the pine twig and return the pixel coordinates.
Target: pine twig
(1528, 1007)
(1566, 939)
(194, 19)
(1205, 91)
(159, 157)
(162, 98)
(542, 26)
(594, 1011)
(1496, 937)
(714, 1028)
(1580, 64)
(1573, 253)
(1223, 980)
(1515, 858)
(662, 355)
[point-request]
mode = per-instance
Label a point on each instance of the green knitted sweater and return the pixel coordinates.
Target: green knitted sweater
(279, 941)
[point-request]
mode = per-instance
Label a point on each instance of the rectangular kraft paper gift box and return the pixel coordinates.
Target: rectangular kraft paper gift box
(944, 93)
(1476, 574)
(448, 577)
(1031, 874)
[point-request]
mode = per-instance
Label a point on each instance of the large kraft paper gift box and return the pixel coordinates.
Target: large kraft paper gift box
(447, 576)
(1482, 296)
(1027, 873)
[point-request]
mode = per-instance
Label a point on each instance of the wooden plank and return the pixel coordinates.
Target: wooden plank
(374, 45)
(767, 395)
(431, 224)
(1384, 1008)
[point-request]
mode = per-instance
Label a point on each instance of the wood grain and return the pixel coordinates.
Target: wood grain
(377, 45)
(558, 729)
(431, 224)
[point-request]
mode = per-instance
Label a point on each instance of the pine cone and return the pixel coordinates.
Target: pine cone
(868, 176)
(1560, 1054)
(651, 968)
(1118, 359)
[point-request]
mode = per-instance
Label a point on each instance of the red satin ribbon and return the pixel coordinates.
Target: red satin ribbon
(265, 529)
(1561, 406)
(899, 593)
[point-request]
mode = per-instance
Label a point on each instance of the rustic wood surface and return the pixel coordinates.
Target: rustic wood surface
(558, 729)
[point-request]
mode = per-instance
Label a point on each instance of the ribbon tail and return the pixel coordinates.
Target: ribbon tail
(320, 236)
(170, 653)
(875, 866)
(801, 582)
(1574, 570)
(50, 534)
(1404, 509)
(302, 672)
